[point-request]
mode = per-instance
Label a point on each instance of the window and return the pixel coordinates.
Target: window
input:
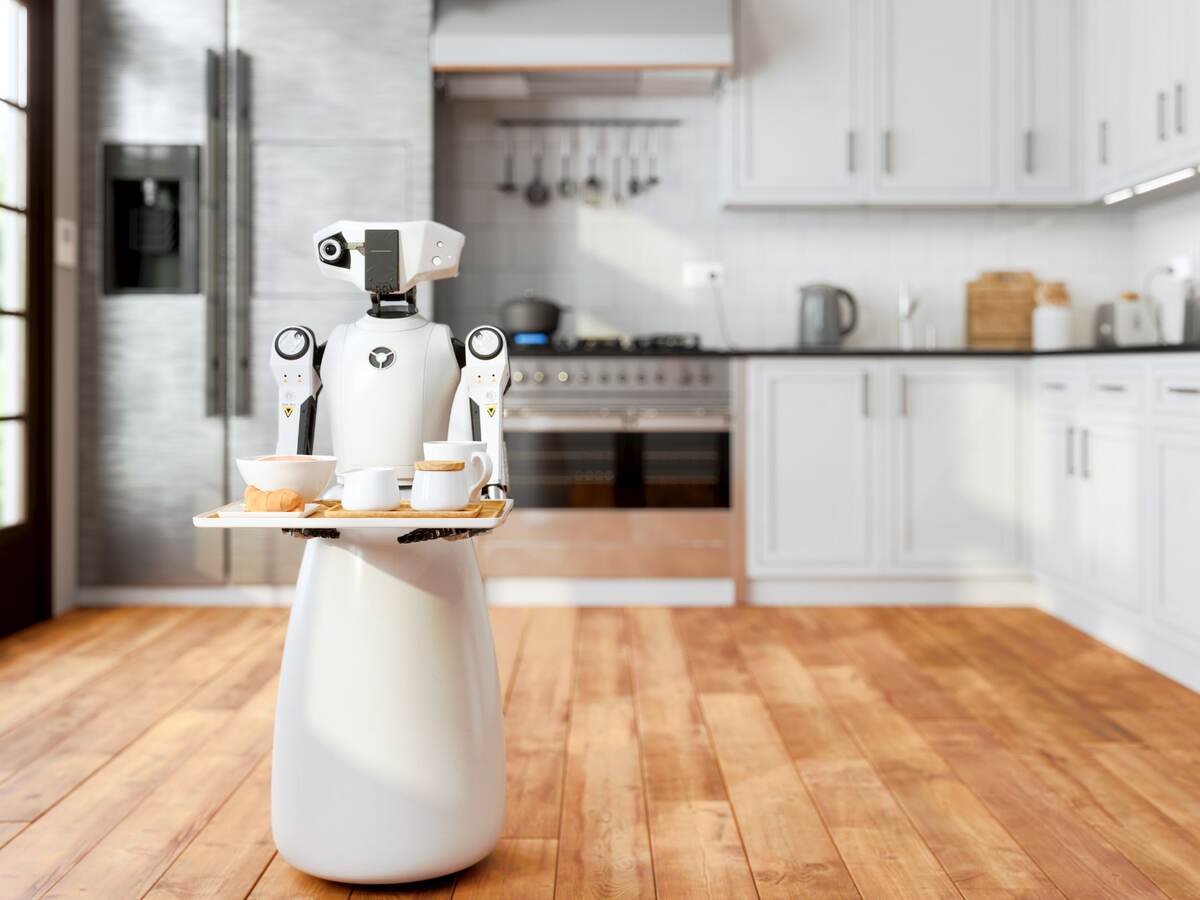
(14, 326)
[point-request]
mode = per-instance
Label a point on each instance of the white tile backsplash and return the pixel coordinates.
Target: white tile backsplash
(618, 265)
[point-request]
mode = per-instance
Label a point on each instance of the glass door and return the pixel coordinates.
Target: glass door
(25, 149)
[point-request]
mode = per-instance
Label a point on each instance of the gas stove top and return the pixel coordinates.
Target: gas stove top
(612, 346)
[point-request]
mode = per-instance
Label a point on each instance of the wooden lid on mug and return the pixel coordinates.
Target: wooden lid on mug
(440, 465)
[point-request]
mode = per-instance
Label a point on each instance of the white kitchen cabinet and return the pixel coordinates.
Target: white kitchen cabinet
(1054, 473)
(796, 122)
(1046, 99)
(1147, 127)
(935, 100)
(1175, 564)
(811, 476)
(1104, 51)
(1110, 469)
(1185, 88)
(957, 455)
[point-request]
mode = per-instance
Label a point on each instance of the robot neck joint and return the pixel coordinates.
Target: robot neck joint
(394, 306)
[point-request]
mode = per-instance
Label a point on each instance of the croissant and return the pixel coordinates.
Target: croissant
(283, 500)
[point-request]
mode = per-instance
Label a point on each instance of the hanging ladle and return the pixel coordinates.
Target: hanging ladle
(566, 184)
(537, 192)
(509, 184)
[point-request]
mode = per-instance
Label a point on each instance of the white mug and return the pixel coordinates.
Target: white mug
(444, 484)
(370, 488)
(473, 453)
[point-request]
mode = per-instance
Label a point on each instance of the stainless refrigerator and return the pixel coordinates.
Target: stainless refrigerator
(217, 136)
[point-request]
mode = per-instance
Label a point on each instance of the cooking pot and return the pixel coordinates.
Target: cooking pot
(530, 315)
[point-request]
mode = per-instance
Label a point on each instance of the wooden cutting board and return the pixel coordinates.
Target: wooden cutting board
(335, 511)
(1000, 310)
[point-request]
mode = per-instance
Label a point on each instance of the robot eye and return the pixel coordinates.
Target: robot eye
(332, 251)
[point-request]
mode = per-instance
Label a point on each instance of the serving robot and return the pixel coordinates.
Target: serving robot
(389, 749)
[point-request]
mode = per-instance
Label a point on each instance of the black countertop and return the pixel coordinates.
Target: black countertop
(830, 352)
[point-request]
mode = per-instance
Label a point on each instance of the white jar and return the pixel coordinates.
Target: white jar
(1051, 327)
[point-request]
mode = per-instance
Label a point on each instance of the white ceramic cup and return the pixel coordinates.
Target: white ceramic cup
(370, 488)
(472, 453)
(444, 484)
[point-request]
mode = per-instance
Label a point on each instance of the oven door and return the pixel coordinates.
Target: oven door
(632, 459)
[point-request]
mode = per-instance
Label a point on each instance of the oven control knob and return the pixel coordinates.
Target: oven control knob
(584, 377)
(563, 377)
(604, 378)
(539, 376)
(705, 376)
(641, 377)
(659, 377)
(622, 377)
(685, 378)
(518, 376)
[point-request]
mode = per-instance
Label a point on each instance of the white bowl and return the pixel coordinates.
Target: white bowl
(308, 476)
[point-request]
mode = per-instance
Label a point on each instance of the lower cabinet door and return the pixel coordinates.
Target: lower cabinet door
(1175, 563)
(957, 459)
(1111, 512)
(809, 467)
(1052, 532)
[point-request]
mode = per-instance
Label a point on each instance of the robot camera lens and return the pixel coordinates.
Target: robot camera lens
(330, 249)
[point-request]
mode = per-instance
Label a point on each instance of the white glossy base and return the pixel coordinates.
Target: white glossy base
(389, 743)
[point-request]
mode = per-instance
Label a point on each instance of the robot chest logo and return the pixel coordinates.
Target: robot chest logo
(381, 357)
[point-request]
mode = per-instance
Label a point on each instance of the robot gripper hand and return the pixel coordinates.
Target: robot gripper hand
(478, 412)
(294, 366)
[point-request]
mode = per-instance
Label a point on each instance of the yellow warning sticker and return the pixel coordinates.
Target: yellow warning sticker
(491, 411)
(288, 410)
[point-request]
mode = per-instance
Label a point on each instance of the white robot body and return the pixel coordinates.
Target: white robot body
(389, 385)
(388, 762)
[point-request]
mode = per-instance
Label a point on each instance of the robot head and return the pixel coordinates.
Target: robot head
(386, 258)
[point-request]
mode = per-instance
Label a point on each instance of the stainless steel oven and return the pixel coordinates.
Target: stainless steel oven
(619, 432)
(620, 467)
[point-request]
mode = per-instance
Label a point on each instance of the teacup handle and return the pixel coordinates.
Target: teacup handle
(484, 462)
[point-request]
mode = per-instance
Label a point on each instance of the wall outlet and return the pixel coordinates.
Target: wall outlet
(698, 274)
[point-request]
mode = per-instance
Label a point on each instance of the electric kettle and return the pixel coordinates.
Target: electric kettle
(821, 315)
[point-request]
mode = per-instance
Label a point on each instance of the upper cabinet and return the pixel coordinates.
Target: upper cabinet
(1046, 100)
(936, 135)
(903, 102)
(1140, 82)
(1104, 50)
(795, 113)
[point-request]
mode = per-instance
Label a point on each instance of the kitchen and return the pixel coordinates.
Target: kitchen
(850, 446)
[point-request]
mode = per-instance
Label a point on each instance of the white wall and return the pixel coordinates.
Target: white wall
(1165, 229)
(620, 266)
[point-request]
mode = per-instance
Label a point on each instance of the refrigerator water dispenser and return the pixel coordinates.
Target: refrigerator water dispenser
(151, 219)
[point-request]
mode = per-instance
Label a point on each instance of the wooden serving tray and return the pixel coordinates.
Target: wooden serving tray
(405, 511)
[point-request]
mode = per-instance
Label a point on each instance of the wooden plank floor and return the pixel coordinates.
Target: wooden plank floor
(976, 753)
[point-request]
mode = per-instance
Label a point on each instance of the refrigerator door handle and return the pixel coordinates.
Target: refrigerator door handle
(242, 236)
(215, 390)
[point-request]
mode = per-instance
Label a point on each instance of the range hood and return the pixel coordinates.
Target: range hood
(502, 48)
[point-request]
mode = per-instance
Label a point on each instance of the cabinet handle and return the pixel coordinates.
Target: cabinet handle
(1028, 151)
(1162, 115)
(1183, 390)
(851, 154)
(904, 396)
(1085, 453)
(1054, 385)
(887, 151)
(1103, 142)
(1111, 388)
(1070, 452)
(866, 395)
(1179, 107)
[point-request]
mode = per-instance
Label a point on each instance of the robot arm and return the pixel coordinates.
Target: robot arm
(295, 367)
(478, 411)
